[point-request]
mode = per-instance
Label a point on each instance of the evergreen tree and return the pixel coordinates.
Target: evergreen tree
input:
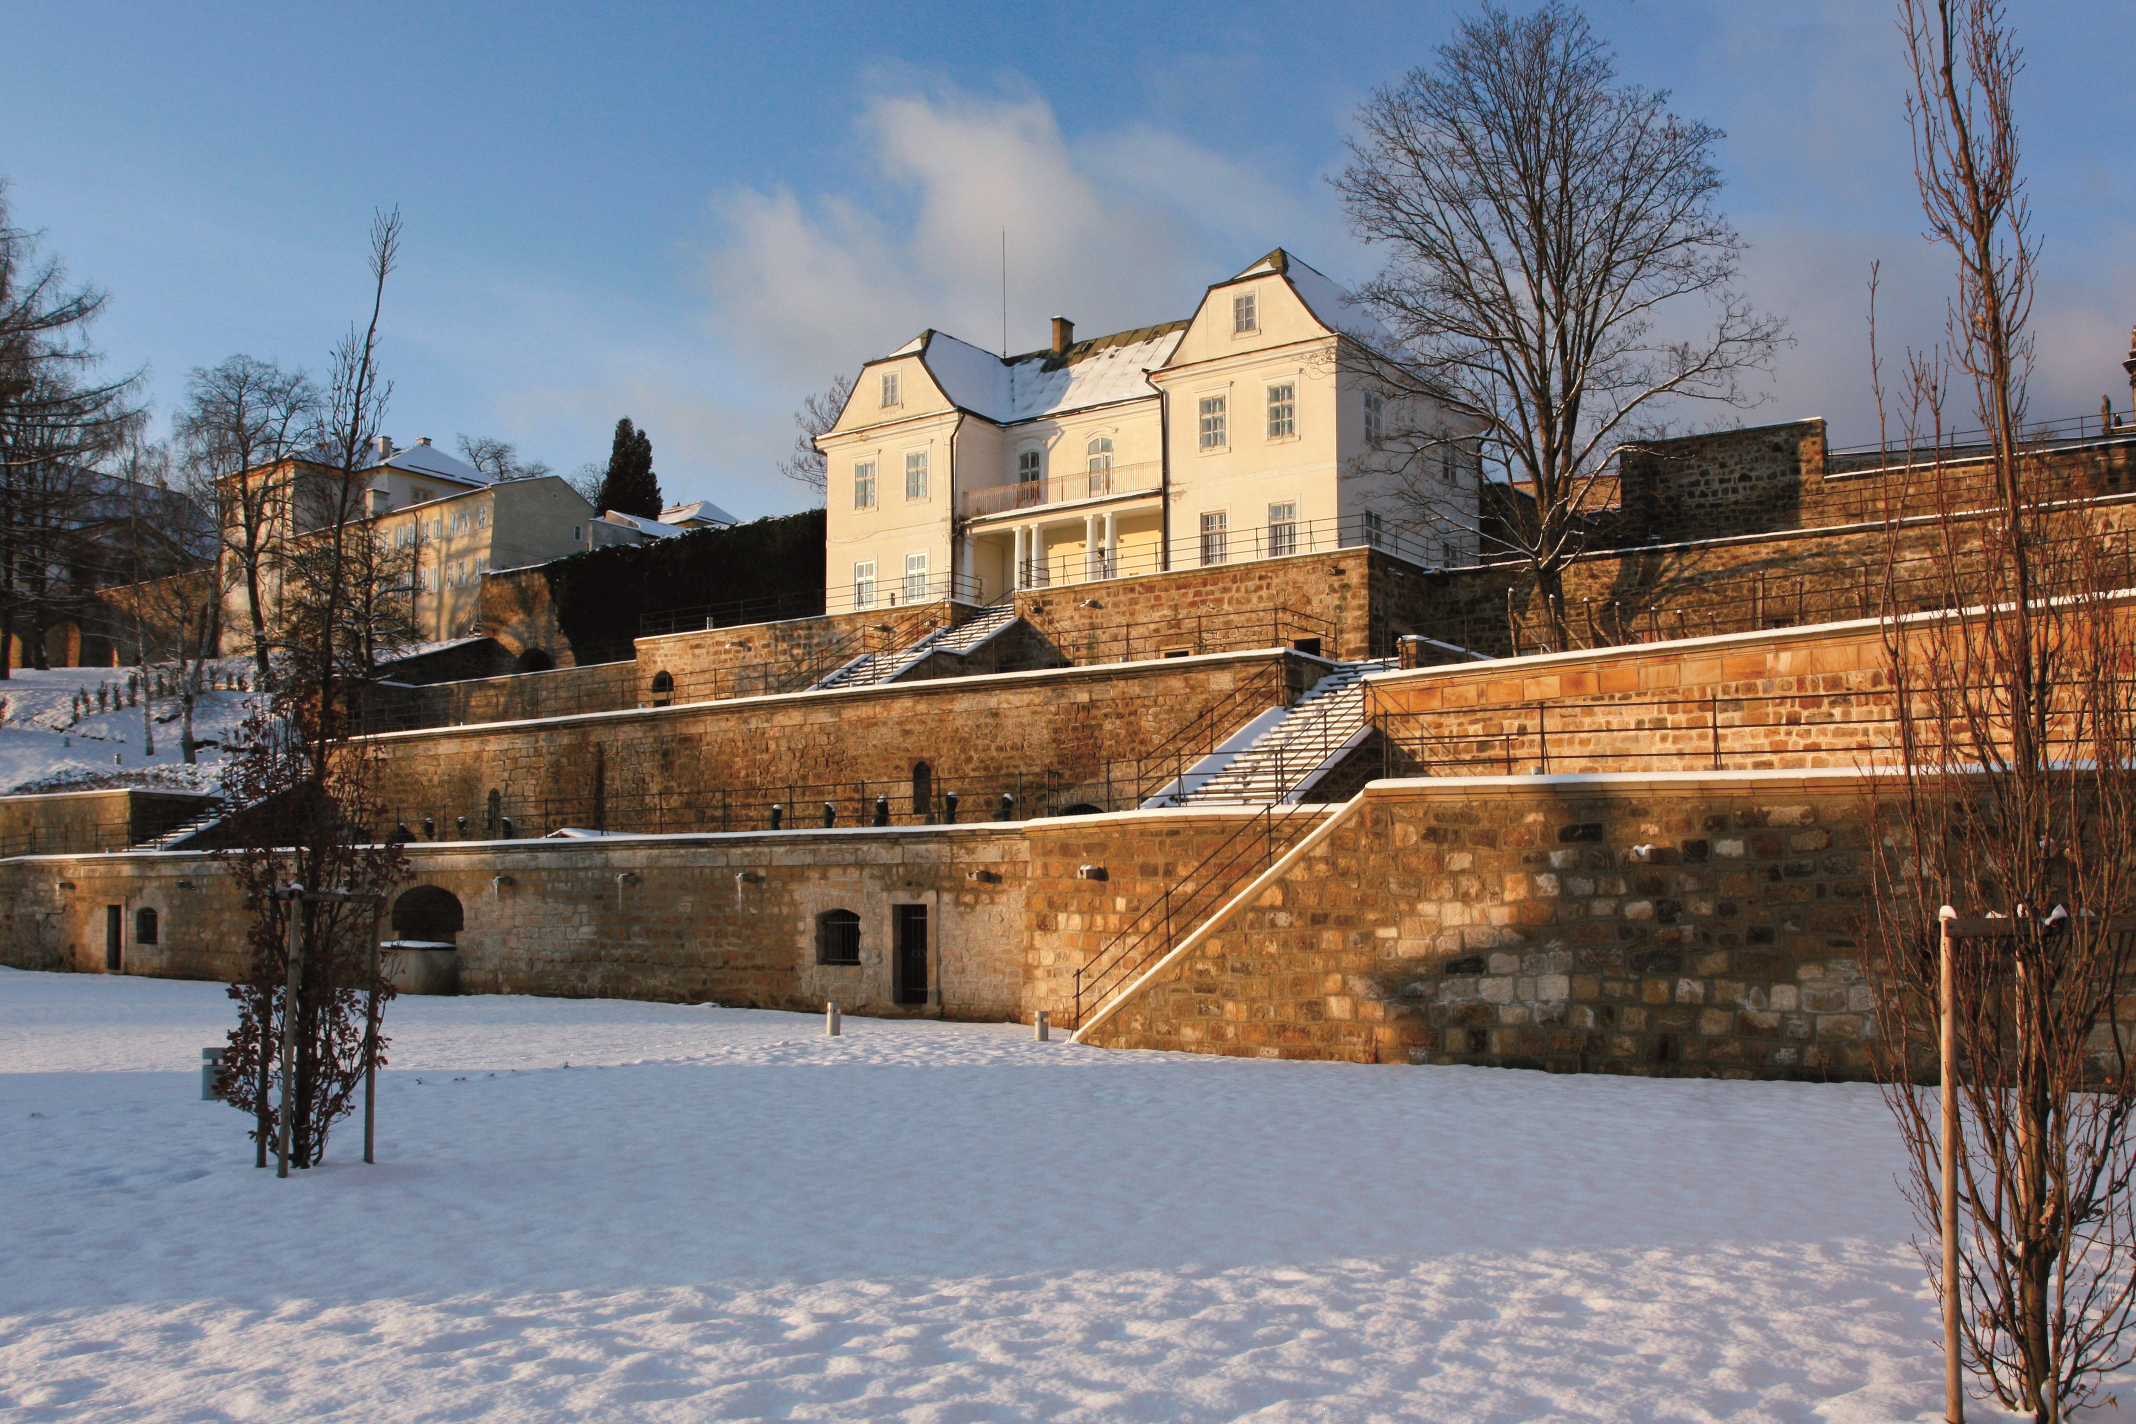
(630, 486)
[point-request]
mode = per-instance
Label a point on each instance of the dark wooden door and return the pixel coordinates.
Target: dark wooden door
(114, 953)
(908, 926)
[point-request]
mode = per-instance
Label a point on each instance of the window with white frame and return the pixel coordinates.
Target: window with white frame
(1375, 417)
(1243, 317)
(1213, 436)
(1448, 553)
(1212, 536)
(1450, 463)
(1028, 471)
(1283, 410)
(890, 394)
(459, 521)
(864, 584)
(864, 484)
(1375, 529)
(915, 577)
(1283, 529)
(916, 474)
(1098, 457)
(482, 517)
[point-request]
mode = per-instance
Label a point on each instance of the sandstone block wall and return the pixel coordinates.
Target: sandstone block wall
(91, 820)
(1730, 482)
(1649, 925)
(729, 919)
(1079, 736)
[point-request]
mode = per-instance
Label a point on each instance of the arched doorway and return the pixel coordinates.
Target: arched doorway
(533, 660)
(428, 914)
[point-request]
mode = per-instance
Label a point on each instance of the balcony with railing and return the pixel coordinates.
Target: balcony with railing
(1101, 483)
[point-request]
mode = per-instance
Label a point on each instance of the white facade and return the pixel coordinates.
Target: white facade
(1236, 434)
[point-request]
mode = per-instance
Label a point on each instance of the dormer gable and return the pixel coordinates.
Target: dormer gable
(1276, 301)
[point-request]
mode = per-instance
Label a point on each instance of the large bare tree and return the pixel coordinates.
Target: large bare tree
(58, 424)
(243, 425)
(818, 413)
(1556, 273)
(2016, 795)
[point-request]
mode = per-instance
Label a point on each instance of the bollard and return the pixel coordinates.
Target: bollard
(833, 1020)
(949, 808)
(1044, 1026)
(778, 814)
(505, 824)
(1008, 808)
(830, 814)
(430, 828)
(882, 810)
(210, 1066)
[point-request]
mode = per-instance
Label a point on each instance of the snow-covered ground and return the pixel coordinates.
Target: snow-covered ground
(44, 744)
(720, 1214)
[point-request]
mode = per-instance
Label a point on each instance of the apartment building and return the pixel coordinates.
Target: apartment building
(1235, 434)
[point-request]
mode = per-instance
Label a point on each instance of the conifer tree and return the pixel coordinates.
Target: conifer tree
(630, 486)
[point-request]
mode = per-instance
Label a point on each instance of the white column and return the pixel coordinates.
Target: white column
(1016, 566)
(1093, 557)
(965, 587)
(1112, 544)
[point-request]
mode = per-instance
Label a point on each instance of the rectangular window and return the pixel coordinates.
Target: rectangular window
(1242, 314)
(482, 517)
(916, 475)
(864, 585)
(1375, 410)
(915, 578)
(864, 484)
(419, 495)
(1447, 553)
(890, 396)
(1027, 470)
(1375, 530)
(1212, 423)
(1449, 464)
(1212, 537)
(1282, 529)
(576, 535)
(459, 521)
(481, 566)
(1282, 411)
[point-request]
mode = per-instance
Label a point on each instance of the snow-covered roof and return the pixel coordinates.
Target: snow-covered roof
(1040, 383)
(428, 460)
(652, 528)
(700, 512)
(1332, 303)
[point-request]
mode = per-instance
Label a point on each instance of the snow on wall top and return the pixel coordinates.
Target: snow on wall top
(1040, 383)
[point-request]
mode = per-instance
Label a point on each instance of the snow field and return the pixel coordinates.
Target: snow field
(720, 1214)
(41, 741)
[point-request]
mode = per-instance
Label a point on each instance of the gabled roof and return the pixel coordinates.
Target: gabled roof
(651, 528)
(1328, 300)
(432, 463)
(1089, 373)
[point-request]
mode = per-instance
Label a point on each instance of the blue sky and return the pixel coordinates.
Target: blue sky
(695, 214)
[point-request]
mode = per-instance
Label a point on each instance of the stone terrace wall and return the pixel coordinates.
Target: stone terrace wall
(91, 820)
(564, 925)
(1215, 609)
(1731, 482)
(753, 658)
(1051, 738)
(1518, 923)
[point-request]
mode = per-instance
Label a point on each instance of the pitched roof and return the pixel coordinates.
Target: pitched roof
(433, 463)
(702, 511)
(1089, 373)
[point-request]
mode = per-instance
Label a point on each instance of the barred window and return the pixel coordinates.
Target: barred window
(838, 937)
(1213, 537)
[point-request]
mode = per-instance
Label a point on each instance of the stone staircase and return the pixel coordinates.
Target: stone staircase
(1282, 764)
(869, 669)
(176, 837)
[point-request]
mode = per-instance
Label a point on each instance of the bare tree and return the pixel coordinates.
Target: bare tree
(499, 459)
(58, 424)
(587, 480)
(1556, 272)
(2016, 793)
(244, 425)
(818, 413)
(305, 786)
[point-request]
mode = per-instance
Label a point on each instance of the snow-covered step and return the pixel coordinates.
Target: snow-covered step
(869, 669)
(1284, 762)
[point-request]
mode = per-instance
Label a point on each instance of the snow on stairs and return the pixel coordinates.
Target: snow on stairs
(184, 831)
(871, 668)
(1284, 762)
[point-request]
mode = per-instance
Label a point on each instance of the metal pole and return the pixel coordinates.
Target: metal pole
(1947, 1036)
(295, 957)
(1713, 702)
(370, 1034)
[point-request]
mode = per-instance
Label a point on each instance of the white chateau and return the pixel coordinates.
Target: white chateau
(1237, 434)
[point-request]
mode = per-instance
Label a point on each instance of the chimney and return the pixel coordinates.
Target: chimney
(384, 444)
(1063, 334)
(422, 440)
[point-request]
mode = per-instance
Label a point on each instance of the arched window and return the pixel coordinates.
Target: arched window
(144, 926)
(922, 789)
(1027, 466)
(838, 937)
(663, 688)
(1099, 455)
(427, 914)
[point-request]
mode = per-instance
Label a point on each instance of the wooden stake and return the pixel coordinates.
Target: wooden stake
(1947, 1036)
(289, 1027)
